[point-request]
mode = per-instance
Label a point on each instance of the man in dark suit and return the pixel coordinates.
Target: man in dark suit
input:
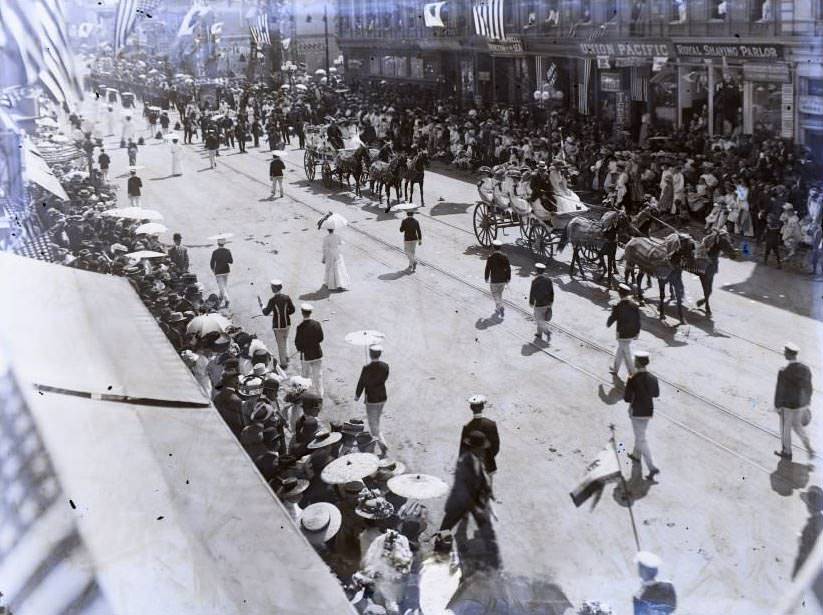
(498, 274)
(178, 254)
(281, 308)
(373, 381)
(792, 398)
(472, 494)
(627, 316)
(485, 426)
(133, 186)
(307, 340)
(641, 389)
(541, 298)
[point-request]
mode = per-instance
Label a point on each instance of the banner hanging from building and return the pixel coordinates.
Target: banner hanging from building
(743, 51)
(431, 15)
(488, 19)
(193, 19)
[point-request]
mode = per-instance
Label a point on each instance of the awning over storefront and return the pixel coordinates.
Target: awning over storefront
(175, 516)
(38, 172)
(87, 333)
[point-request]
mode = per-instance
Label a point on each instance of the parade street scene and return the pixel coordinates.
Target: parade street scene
(411, 308)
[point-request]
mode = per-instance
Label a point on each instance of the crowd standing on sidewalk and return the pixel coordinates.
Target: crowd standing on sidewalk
(278, 416)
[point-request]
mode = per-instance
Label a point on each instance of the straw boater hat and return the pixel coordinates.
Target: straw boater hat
(389, 468)
(292, 486)
(320, 522)
(323, 439)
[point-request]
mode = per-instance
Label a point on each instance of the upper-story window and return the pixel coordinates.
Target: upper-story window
(679, 11)
(762, 12)
(718, 9)
(585, 11)
(611, 10)
(552, 13)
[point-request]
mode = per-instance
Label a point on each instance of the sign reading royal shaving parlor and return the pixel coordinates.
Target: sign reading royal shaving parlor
(742, 51)
(505, 47)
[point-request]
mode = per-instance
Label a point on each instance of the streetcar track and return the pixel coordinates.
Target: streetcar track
(585, 341)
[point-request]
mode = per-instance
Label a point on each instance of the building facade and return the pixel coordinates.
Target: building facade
(742, 65)
(311, 41)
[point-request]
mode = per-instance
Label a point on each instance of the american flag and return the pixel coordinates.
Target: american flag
(488, 19)
(260, 31)
(34, 34)
(128, 12)
(639, 85)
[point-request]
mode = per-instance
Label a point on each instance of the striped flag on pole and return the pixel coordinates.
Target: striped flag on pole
(193, 19)
(35, 32)
(128, 12)
(639, 85)
(488, 19)
(583, 86)
(260, 31)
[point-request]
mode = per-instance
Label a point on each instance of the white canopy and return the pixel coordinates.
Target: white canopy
(38, 171)
(174, 514)
(87, 332)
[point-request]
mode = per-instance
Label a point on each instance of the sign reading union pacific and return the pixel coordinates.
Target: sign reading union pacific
(707, 50)
(627, 50)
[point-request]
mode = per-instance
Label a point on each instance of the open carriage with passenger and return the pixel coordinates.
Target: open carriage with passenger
(351, 161)
(506, 202)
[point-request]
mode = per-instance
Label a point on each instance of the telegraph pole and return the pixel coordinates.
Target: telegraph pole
(326, 34)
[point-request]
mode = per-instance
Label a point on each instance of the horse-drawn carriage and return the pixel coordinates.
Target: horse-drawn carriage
(503, 204)
(342, 163)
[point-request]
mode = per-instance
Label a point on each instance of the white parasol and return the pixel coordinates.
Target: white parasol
(320, 71)
(171, 136)
(279, 152)
(417, 486)
(47, 122)
(301, 86)
(334, 221)
(405, 207)
(221, 236)
(134, 213)
(207, 323)
(150, 228)
(285, 86)
(141, 254)
(364, 338)
(355, 466)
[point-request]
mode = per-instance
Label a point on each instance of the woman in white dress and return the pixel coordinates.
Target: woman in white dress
(336, 275)
(176, 157)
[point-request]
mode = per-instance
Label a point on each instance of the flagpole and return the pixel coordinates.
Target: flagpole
(625, 488)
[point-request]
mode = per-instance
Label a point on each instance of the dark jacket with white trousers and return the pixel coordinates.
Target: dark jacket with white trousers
(641, 389)
(627, 316)
(542, 292)
(307, 339)
(794, 386)
(281, 308)
(373, 381)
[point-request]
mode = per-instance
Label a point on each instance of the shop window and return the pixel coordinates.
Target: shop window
(718, 9)
(639, 17)
(679, 11)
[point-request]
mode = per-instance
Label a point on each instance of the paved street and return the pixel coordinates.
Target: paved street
(725, 514)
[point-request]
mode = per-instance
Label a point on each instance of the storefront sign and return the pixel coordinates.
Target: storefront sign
(627, 50)
(811, 105)
(603, 62)
(768, 73)
(625, 62)
(708, 50)
(610, 82)
(484, 75)
(787, 113)
(621, 113)
(509, 47)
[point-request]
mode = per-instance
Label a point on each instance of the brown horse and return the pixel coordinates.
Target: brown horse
(415, 173)
(706, 260)
(353, 164)
(388, 174)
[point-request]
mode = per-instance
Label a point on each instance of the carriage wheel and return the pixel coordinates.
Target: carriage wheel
(485, 228)
(308, 165)
(325, 171)
(525, 227)
(588, 253)
(541, 241)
